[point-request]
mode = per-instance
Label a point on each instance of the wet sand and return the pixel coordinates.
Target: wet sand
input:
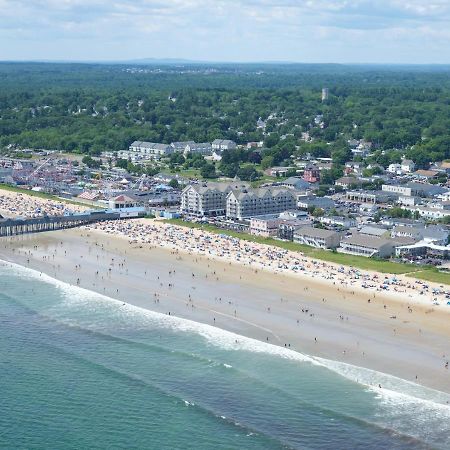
(303, 314)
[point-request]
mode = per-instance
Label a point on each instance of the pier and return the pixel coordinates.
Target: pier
(15, 227)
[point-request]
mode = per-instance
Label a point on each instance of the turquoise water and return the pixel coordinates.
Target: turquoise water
(80, 370)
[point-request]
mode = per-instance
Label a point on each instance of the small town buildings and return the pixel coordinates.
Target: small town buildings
(317, 237)
(311, 173)
(365, 245)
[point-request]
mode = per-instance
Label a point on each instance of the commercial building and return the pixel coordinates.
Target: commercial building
(266, 226)
(317, 237)
(364, 245)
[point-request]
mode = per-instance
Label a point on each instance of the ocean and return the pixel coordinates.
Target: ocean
(81, 370)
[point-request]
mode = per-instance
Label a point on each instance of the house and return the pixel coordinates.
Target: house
(219, 145)
(347, 182)
(408, 166)
(246, 203)
(396, 169)
(311, 173)
(364, 245)
(266, 226)
(317, 237)
(337, 221)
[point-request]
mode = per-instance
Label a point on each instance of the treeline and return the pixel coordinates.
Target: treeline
(90, 108)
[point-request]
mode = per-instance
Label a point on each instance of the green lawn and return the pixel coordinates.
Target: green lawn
(433, 275)
(359, 262)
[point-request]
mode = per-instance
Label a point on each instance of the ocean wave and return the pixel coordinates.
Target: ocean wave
(395, 392)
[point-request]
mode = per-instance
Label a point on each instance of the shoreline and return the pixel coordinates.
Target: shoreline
(382, 322)
(139, 275)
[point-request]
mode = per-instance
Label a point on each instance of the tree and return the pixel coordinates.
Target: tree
(91, 162)
(248, 173)
(267, 162)
(208, 171)
(173, 183)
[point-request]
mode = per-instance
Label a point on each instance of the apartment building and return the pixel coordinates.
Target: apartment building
(246, 203)
(207, 199)
(151, 150)
(203, 148)
(219, 145)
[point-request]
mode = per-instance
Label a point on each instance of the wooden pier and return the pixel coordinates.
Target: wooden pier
(14, 227)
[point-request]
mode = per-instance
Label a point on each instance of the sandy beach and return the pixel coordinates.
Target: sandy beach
(309, 306)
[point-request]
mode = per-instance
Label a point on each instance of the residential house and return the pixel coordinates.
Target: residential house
(346, 182)
(408, 166)
(311, 173)
(337, 221)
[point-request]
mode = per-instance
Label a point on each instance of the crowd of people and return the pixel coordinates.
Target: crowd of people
(221, 246)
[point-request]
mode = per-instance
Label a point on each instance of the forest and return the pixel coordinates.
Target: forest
(90, 108)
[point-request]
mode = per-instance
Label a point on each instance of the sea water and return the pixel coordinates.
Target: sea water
(81, 370)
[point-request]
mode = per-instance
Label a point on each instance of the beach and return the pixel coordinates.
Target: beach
(318, 309)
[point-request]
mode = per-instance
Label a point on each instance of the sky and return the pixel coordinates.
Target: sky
(309, 31)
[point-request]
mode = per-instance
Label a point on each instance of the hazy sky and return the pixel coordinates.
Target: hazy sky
(361, 31)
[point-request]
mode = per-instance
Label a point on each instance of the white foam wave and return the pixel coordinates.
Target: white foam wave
(395, 392)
